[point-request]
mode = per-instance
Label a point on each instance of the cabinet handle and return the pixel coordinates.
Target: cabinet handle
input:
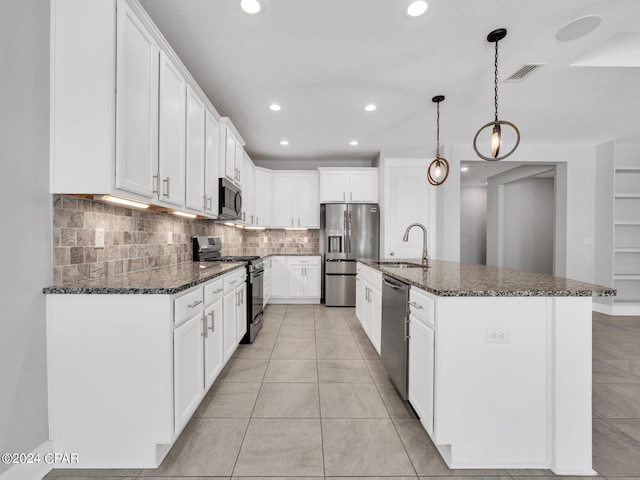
(218, 291)
(351, 196)
(204, 206)
(406, 328)
(195, 304)
(213, 320)
(166, 181)
(156, 184)
(244, 216)
(292, 222)
(252, 219)
(205, 332)
(366, 293)
(298, 222)
(211, 203)
(257, 221)
(414, 304)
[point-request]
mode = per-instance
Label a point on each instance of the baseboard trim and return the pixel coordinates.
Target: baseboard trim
(31, 471)
(294, 301)
(617, 310)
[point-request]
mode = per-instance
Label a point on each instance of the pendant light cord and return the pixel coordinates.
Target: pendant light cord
(438, 130)
(496, 83)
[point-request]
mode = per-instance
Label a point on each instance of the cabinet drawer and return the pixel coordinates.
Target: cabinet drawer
(375, 279)
(213, 292)
(231, 282)
(422, 306)
(186, 306)
(303, 261)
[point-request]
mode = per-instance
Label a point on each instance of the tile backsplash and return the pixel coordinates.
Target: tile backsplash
(138, 239)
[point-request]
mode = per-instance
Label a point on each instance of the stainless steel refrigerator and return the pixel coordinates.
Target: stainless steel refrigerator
(348, 231)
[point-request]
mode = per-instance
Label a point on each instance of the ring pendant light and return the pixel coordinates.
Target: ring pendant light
(438, 170)
(496, 125)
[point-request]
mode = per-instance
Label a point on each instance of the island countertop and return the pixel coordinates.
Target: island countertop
(162, 280)
(453, 279)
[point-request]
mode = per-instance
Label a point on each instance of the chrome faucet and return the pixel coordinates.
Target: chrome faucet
(405, 238)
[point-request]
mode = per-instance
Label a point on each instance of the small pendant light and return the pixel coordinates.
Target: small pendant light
(496, 125)
(438, 170)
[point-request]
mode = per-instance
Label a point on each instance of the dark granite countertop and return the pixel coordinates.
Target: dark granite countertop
(452, 279)
(162, 280)
(291, 255)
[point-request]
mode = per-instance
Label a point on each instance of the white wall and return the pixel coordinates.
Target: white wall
(579, 161)
(528, 225)
(473, 225)
(25, 229)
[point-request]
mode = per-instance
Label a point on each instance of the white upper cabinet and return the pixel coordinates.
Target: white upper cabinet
(231, 153)
(171, 152)
(211, 161)
(195, 151)
(248, 191)
(263, 200)
(307, 200)
(295, 200)
(358, 185)
(239, 162)
(136, 105)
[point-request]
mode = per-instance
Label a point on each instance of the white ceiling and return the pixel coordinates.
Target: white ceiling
(323, 60)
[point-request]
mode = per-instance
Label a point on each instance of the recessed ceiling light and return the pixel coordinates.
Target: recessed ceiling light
(274, 107)
(284, 142)
(417, 8)
(353, 143)
(464, 169)
(251, 6)
(370, 108)
(578, 28)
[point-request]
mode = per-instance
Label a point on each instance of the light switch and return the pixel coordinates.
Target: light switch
(170, 238)
(99, 243)
(305, 240)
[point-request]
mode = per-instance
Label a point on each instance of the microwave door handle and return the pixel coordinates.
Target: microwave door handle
(238, 203)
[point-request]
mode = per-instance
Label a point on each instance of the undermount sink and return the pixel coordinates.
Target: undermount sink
(402, 265)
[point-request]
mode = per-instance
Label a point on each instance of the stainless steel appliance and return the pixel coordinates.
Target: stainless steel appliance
(230, 200)
(207, 249)
(348, 231)
(394, 345)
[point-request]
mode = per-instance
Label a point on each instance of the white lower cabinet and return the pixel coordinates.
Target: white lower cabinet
(241, 311)
(369, 303)
(295, 279)
(127, 372)
(422, 357)
(188, 369)
(266, 285)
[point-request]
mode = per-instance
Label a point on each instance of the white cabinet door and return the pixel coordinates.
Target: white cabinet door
(188, 365)
(263, 198)
(311, 281)
(333, 185)
(375, 303)
(195, 149)
(228, 156)
(361, 298)
(421, 371)
(241, 313)
(284, 209)
(136, 105)
(363, 186)
(229, 331)
(239, 159)
(279, 277)
(213, 344)
(248, 191)
(296, 281)
(171, 151)
(307, 200)
(211, 163)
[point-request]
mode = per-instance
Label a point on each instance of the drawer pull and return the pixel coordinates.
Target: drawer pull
(414, 304)
(218, 290)
(233, 282)
(195, 304)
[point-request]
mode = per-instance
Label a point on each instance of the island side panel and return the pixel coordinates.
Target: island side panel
(571, 352)
(491, 398)
(110, 363)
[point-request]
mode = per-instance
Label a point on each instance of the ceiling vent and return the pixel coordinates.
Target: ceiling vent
(525, 71)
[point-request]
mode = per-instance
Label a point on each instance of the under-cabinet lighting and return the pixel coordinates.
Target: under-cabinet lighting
(464, 169)
(121, 201)
(237, 225)
(184, 214)
(254, 228)
(296, 228)
(230, 224)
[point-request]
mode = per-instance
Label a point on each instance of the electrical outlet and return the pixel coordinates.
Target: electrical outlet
(498, 335)
(265, 239)
(305, 240)
(588, 241)
(170, 238)
(99, 243)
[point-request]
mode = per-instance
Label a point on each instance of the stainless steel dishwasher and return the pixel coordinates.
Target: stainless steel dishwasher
(394, 347)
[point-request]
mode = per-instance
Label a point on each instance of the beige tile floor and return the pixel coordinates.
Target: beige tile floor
(310, 398)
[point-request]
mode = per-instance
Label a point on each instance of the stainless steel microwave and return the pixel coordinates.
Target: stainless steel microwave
(230, 198)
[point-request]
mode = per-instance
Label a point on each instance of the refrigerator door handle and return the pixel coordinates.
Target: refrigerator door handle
(349, 227)
(345, 233)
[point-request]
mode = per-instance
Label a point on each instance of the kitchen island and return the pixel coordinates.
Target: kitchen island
(499, 363)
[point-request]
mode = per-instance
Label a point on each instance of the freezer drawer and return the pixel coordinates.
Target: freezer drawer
(340, 290)
(340, 267)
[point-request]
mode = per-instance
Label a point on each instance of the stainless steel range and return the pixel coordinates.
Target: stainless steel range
(207, 249)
